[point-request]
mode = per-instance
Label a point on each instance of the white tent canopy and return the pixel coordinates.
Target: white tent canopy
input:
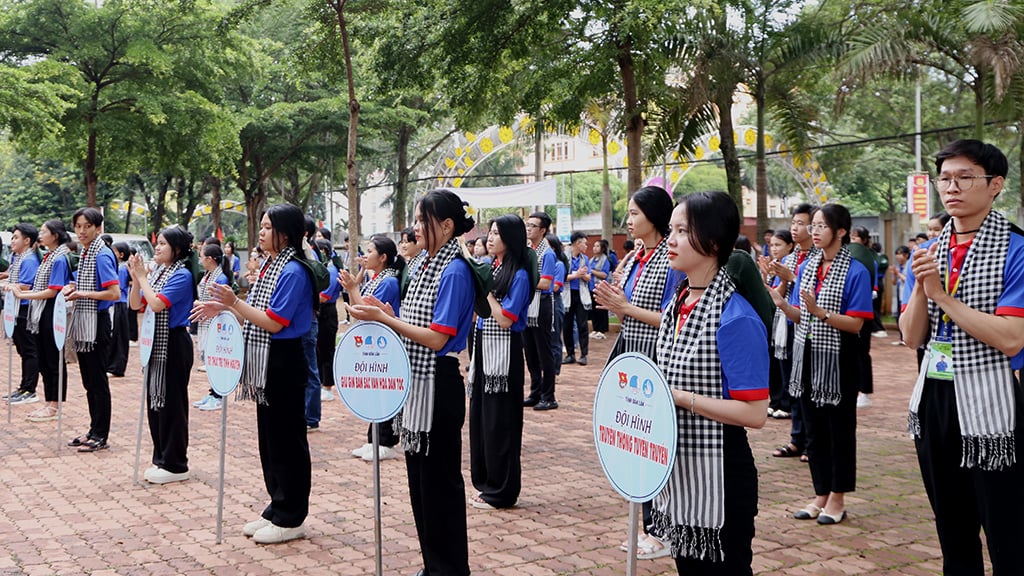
(533, 194)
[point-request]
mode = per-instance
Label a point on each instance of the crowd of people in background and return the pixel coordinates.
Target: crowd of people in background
(742, 332)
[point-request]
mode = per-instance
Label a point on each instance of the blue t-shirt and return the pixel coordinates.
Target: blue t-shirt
(1011, 301)
(60, 274)
(334, 288)
(177, 295)
(743, 350)
(106, 275)
(574, 264)
(593, 266)
(514, 305)
(672, 280)
(123, 279)
(389, 291)
(558, 281)
(548, 261)
(27, 272)
(236, 264)
(453, 309)
(291, 303)
(856, 299)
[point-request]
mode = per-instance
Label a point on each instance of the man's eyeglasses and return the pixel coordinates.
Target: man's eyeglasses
(532, 225)
(817, 227)
(963, 182)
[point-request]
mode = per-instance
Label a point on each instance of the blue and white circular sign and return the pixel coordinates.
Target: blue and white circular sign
(635, 429)
(371, 371)
(147, 330)
(10, 313)
(225, 352)
(60, 320)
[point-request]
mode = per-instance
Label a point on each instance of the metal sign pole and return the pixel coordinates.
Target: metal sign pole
(10, 391)
(631, 535)
(60, 398)
(138, 434)
(376, 497)
(220, 483)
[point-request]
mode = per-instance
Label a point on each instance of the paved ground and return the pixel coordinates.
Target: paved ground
(67, 513)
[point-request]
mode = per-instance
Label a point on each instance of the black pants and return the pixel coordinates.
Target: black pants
(599, 320)
(93, 365)
(326, 342)
(537, 348)
(876, 307)
(168, 426)
(797, 430)
(832, 430)
(966, 500)
(50, 357)
(133, 325)
(867, 375)
(26, 345)
(576, 316)
(281, 427)
(778, 386)
(496, 431)
(117, 360)
(437, 491)
(740, 509)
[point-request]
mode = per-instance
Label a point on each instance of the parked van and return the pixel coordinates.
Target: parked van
(140, 243)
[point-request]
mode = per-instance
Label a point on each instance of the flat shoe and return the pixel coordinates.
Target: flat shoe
(810, 512)
(652, 547)
(93, 445)
(825, 518)
(79, 440)
(480, 504)
(786, 451)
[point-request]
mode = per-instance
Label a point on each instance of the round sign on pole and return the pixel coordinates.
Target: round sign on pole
(60, 320)
(371, 371)
(635, 427)
(147, 330)
(10, 313)
(225, 352)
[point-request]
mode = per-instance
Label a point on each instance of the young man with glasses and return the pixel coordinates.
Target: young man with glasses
(539, 360)
(967, 307)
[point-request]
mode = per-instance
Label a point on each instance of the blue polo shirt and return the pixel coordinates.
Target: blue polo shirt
(856, 299)
(593, 266)
(548, 261)
(515, 304)
(743, 350)
(334, 288)
(558, 281)
(177, 296)
(389, 291)
(574, 264)
(60, 274)
(672, 280)
(27, 272)
(123, 280)
(453, 309)
(291, 303)
(106, 274)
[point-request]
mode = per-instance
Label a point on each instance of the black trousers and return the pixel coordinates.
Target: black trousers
(740, 509)
(281, 428)
(133, 325)
(50, 357)
(599, 320)
(575, 315)
(26, 346)
(967, 500)
(326, 342)
(496, 431)
(832, 430)
(168, 427)
(93, 365)
(537, 349)
(117, 360)
(437, 491)
(867, 375)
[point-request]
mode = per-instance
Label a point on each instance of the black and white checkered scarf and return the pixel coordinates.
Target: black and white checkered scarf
(253, 382)
(15, 269)
(370, 287)
(637, 336)
(496, 343)
(690, 511)
(780, 325)
(42, 282)
(154, 374)
(983, 378)
(83, 320)
(824, 338)
(417, 416)
(533, 312)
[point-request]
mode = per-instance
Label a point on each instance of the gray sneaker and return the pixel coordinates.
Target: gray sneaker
(25, 398)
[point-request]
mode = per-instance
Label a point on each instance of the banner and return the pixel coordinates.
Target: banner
(533, 194)
(917, 196)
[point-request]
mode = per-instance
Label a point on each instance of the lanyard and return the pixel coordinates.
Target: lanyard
(953, 287)
(682, 313)
(640, 270)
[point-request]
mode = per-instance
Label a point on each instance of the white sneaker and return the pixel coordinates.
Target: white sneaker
(202, 368)
(212, 404)
(326, 395)
(273, 534)
(385, 454)
(254, 526)
(363, 450)
(161, 476)
(863, 400)
(880, 334)
(201, 401)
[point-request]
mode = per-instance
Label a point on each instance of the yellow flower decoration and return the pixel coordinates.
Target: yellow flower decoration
(699, 153)
(684, 165)
(768, 141)
(594, 137)
(735, 138)
(674, 155)
(457, 182)
(784, 150)
(468, 161)
(714, 143)
(613, 147)
(450, 163)
(486, 145)
(470, 137)
(461, 171)
(750, 137)
(459, 151)
(505, 134)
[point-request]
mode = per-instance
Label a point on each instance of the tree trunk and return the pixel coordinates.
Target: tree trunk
(606, 191)
(723, 100)
(157, 219)
(90, 168)
(214, 183)
(131, 204)
(979, 104)
(634, 122)
(538, 154)
(400, 197)
(761, 176)
(352, 176)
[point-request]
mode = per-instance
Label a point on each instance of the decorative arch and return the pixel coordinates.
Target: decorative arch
(468, 150)
(225, 206)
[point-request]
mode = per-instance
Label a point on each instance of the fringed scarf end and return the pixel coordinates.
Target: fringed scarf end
(989, 453)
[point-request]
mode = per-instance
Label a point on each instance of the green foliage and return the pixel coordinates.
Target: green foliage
(36, 190)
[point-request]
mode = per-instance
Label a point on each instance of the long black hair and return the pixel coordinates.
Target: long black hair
(656, 204)
(714, 223)
(217, 253)
(121, 251)
(512, 231)
(559, 249)
(439, 205)
(180, 241)
(290, 222)
(386, 247)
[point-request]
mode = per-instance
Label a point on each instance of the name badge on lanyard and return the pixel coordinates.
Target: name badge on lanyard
(940, 349)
